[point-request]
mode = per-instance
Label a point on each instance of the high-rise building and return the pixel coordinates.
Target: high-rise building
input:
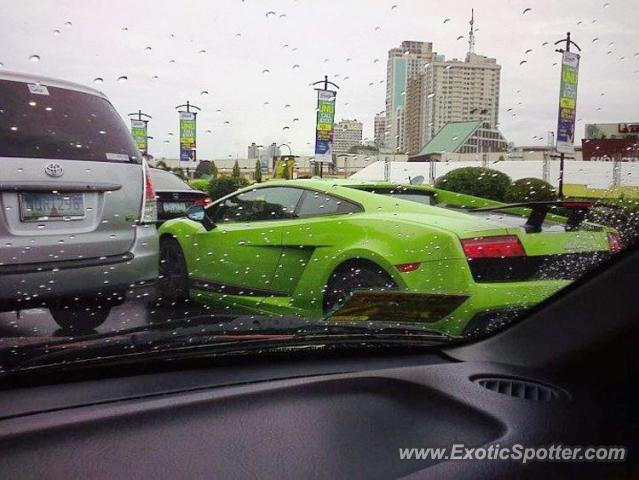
(253, 151)
(380, 131)
(347, 134)
(413, 117)
(460, 91)
(404, 63)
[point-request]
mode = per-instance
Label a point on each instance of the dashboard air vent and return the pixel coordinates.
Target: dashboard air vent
(520, 389)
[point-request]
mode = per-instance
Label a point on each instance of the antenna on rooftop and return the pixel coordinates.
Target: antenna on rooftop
(471, 34)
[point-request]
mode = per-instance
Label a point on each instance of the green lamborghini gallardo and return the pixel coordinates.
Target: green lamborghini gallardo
(316, 248)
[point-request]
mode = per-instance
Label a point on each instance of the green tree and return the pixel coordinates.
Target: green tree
(530, 190)
(476, 181)
(223, 185)
(258, 171)
(236, 170)
(162, 164)
(213, 169)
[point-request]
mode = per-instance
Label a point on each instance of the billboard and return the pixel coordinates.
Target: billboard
(567, 102)
(187, 137)
(139, 133)
(325, 126)
(610, 149)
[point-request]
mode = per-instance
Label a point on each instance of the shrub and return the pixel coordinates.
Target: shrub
(213, 169)
(476, 181)
(222, 186)
(201, 184)
(530, 190)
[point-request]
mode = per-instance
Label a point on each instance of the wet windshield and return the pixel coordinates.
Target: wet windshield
(379, 171)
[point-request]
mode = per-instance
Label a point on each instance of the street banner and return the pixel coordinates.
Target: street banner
(567, 103)
(187, 137)
(139, 133)
(325, 126)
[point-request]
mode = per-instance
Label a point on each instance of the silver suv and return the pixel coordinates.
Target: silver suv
(77, 207)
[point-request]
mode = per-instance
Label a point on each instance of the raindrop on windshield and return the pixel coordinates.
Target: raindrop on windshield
(148, 50)
(446, 20)
(68, 24)
(122, 79)
(56, 32)
(266, 70)
(34, 58)
(98, 80)
(526, 10)
(270, 14)
(204, 92)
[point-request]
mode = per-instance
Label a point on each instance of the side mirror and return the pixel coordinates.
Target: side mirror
(197, 213)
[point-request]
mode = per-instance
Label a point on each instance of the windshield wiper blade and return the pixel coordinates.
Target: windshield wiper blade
(220, 338)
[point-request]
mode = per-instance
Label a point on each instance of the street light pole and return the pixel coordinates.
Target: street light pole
(325, 83)
(189, 106)
(143, 117)
(568, 42)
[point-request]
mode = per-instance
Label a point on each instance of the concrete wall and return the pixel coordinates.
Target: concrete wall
(591, 174)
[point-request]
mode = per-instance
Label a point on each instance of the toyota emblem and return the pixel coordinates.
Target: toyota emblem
(53, 170)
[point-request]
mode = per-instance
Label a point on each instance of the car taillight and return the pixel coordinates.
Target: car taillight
(149, 212)
(614, 243)
(493, 247)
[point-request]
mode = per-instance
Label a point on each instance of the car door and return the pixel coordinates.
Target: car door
(240, 255)
(306, 244)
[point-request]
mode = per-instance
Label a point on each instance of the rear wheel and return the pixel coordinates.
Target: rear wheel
(173, 285)
(353, 276)
(79, 316)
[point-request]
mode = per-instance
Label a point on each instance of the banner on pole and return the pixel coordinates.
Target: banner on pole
(187, 137)
(567, 103)
(325, 126)
(139, 133)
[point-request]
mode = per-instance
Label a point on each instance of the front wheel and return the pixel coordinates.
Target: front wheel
(351, 277)
(173, 284)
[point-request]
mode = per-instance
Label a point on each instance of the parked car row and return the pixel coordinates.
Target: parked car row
(78, 198)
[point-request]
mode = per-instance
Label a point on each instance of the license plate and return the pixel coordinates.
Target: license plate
(51, 206)
(175, 207)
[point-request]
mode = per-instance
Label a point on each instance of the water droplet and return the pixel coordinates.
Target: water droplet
(148, 50)
(34, 58)
(446, 20)
(125, 29)
(296, 66)
(266, 70)
(201, 52)
(270, 13)
(68, 24)
(394, 7)
(122, 79)
(523, 62)
(56, 32)
(204, 92)
(98, 80)
(526, 10)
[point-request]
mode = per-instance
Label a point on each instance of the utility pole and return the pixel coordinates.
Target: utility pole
(568, 42)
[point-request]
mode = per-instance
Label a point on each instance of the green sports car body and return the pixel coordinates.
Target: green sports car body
(299, 246)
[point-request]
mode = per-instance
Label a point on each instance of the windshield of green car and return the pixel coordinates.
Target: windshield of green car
(217, 174)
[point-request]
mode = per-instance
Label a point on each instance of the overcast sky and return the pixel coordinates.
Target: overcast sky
(245, 59)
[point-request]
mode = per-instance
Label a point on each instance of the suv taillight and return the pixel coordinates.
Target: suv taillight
(493, 247)
(614, 243)
(149, 212)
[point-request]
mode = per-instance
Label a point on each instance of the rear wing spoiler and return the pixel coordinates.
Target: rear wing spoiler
(576, 212)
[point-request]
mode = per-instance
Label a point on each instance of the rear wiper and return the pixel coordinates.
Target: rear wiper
(576, 212)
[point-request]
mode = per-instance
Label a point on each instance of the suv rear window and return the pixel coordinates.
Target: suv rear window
(61, 124)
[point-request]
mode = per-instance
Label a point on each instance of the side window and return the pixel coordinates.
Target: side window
(317, 203)
(274, 203)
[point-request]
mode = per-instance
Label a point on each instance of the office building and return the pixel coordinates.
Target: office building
(404, 63)
(347, 134)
